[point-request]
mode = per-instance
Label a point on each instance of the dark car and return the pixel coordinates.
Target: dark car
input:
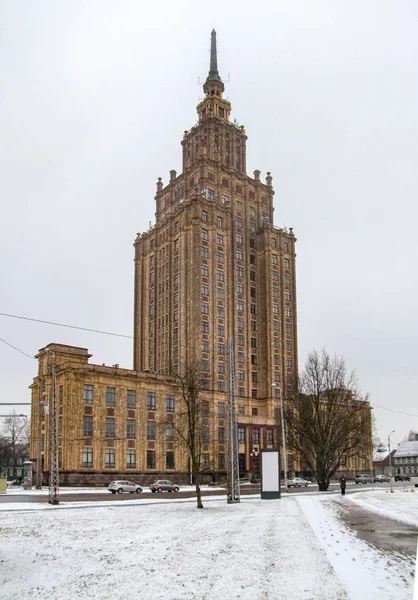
(402, 478)
(163, 485)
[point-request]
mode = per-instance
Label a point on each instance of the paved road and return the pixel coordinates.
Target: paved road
(245, 490)
(381, 532)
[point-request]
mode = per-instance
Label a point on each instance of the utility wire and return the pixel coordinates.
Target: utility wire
(400, 412)
(130, 337)
(14, 348)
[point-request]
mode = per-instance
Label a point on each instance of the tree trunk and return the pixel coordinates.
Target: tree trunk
(198, 493)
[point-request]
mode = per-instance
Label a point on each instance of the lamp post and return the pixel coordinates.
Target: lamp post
(390, 460)
(273, 385)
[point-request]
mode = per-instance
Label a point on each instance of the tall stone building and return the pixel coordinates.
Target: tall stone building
(213, 267)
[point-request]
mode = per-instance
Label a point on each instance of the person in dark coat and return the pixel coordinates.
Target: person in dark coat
(343, 483)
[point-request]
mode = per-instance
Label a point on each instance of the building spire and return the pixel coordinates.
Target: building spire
(213, 75)
(213, 68)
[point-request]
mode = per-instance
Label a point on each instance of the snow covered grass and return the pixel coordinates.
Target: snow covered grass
(17, 491)
(365, 572)
(401, 504)
(249, 551)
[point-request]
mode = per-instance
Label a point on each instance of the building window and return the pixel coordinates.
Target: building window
(110, 396)
(169, 403)
(131, 429)
(110, 458)
(205, 327)
(169, 433)
(220, 275)
(204, 215)
(221, 409)
(87, 457)
(150, 459)
(240, 288)
(240, 375)
(130, 459)
(205, 308)
(287, 296)
(253, 325)
(252, 259)
(288, 361)
(287, 312)
(253, 343)
(240, 340)
(241, 392)
(239, 238)
(204, 252)
(221, 349)
(221, 461)
(220, 240)
(241, 435)
(220, 222)
(205, 461)
(110, 428)
(150, 430)
(220, 312)
(254, 412)
(131, 398)
(151, 401)
(204, 289)
(253, 309)
(88, 394)
(169, 459)
(221, 386)
(87, 426)
(253, 292)
(275, 309)
(204, 234)
(239, 254)
(254, 394)
(205, 434)
(220, 257)
(240, 305)
(240, 357)
(204, 271)
(286, 263)
(210, 194)
(220, 293)
(221, 330)
(205, 365)
(252, 211)
(221, 435)
(221, 367)
(269, 437)
(205, 346)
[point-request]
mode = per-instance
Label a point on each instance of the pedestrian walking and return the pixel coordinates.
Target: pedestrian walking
(343, 483)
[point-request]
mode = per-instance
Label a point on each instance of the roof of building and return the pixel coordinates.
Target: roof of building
(407, 449)
(380, 454)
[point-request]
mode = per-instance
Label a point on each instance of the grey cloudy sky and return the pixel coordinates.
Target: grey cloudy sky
(94, 99)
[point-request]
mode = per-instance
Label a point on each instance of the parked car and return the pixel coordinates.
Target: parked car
(163, 485)
(381, 479)
(363, 479)
(124, 486)
(297, 482)
(402, 478)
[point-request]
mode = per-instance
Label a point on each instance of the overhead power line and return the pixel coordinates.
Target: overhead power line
(130, 337)
(15, 348)
(400, 412)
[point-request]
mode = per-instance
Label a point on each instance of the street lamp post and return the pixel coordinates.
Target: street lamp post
(390, 460)
(283, 438)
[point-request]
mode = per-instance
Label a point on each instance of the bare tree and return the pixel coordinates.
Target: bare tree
(190, 423)
(326, 418)
(14, 442)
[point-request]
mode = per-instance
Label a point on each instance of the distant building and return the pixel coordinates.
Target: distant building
(406, 459)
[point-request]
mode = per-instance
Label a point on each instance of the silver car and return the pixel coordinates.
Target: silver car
(123, 485)
(297, 482)
(163, 485)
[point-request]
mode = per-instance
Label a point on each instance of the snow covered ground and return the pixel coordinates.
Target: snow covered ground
(401, 504)
(18, 491)
(293, 549)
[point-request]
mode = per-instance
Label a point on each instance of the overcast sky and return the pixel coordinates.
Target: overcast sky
(94, 100)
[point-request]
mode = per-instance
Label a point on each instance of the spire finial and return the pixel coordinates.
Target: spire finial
(213, 67)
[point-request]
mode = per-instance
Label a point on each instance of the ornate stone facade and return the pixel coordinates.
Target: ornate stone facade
(213, 268)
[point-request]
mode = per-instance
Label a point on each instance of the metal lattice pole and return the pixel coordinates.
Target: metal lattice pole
(54, 486)
(233, 492)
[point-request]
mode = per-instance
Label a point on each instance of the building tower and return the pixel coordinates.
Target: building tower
(214, 266)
